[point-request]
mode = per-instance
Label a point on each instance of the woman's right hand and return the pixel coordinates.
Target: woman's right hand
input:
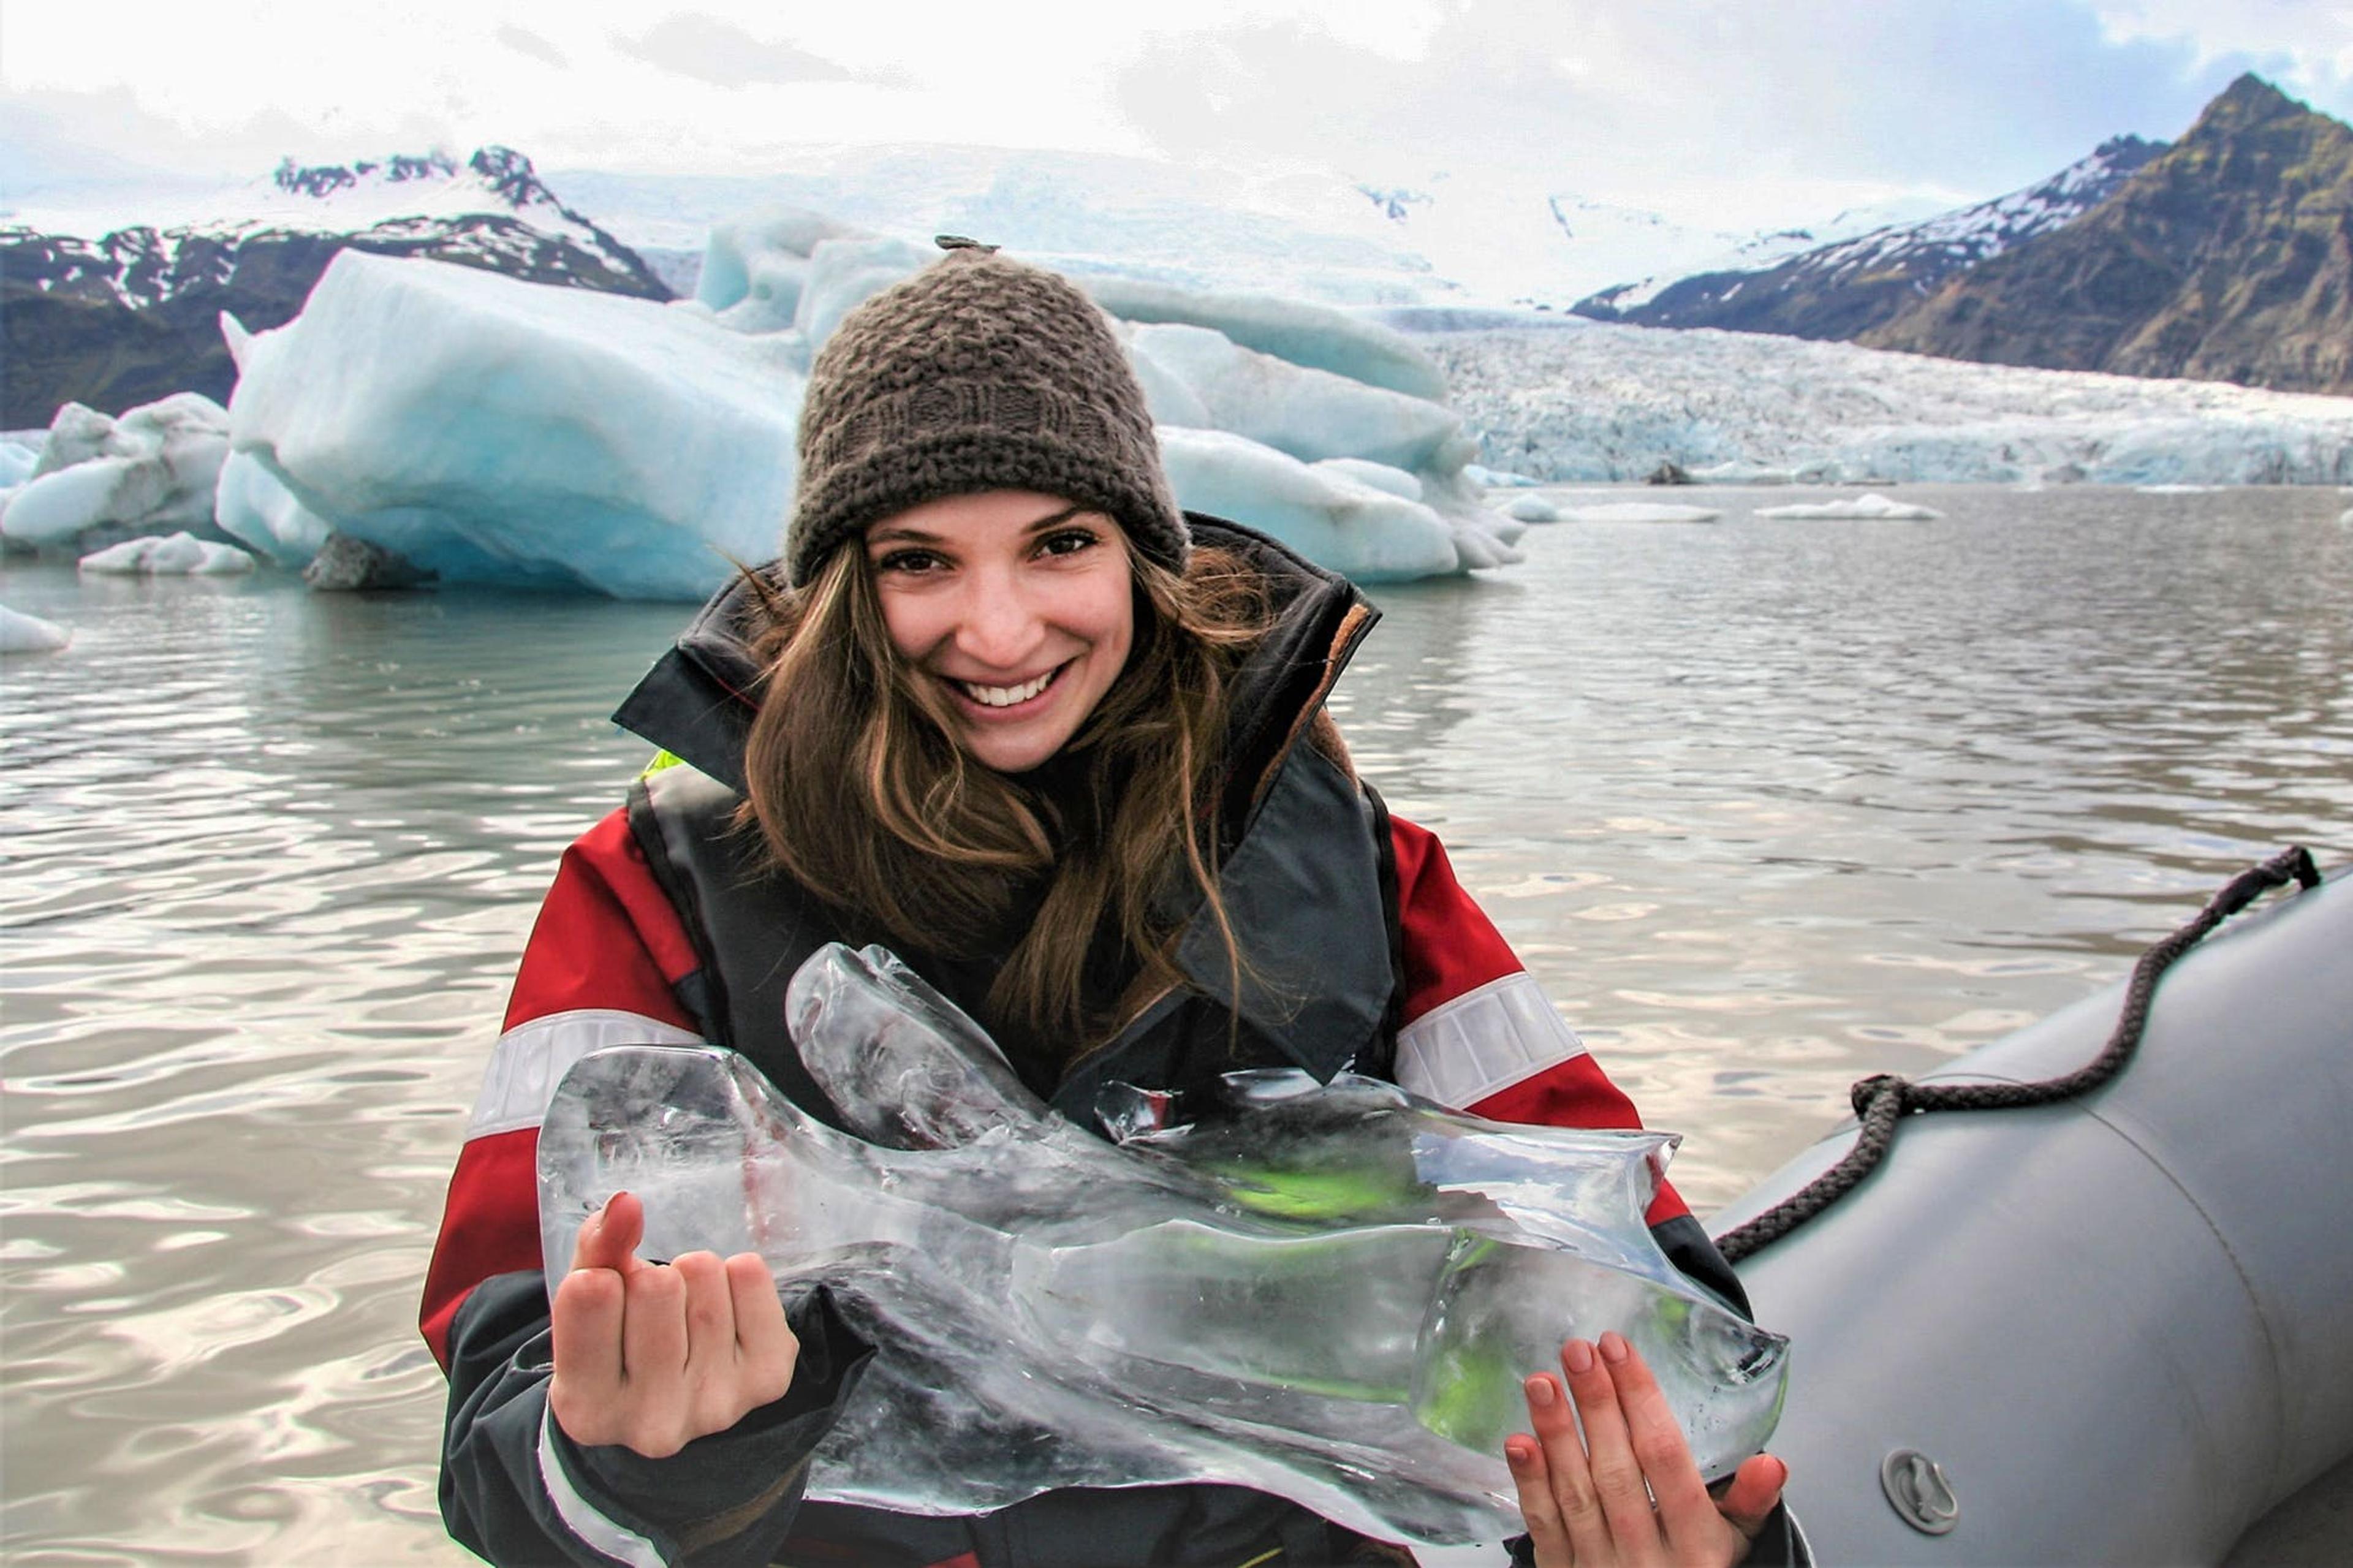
(654, 1355)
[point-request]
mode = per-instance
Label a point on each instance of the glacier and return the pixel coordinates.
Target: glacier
(488, 430)
(1329, 1291)
(1603, 402)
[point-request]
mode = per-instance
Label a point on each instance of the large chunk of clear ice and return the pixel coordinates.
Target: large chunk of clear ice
(1330, 1292)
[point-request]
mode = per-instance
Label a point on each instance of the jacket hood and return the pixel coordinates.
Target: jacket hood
(698, 701)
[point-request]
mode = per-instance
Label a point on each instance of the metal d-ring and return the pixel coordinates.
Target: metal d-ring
(1916, 1489)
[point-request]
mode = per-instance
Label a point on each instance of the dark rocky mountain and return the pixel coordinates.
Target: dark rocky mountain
(2228, 259)
(1844, 290)
(133, 316)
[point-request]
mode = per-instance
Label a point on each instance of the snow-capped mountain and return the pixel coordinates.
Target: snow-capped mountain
(2224, 260)
(126, 313)
(1842, 289)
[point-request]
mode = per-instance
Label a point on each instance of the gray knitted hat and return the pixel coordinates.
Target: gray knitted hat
(978, 374)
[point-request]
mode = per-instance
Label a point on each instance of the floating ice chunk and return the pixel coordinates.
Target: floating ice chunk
(494, 430)
(1327, 1292)
(21, 632)
(173, 555)
(1530, 509)
(156, 467)
(1380, 476)
(1367, 534)
(259, 512)
(1309, 413)
(1640, 511)
(1734, 472)
(2177, 490)
(1317, 337)
(16, 462)
(1498, 479)
(1870, 504)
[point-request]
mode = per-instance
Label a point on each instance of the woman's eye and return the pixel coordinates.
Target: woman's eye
(907, 560)
(1070, 542)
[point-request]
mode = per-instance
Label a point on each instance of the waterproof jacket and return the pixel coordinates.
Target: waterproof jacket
(660, 928)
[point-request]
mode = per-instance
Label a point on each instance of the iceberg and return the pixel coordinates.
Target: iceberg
(1369, 534)
(154, 467)
(1640, 511)
(494, 430)
(263, 515)
(1870, 504)
(486, 429)
(1313, 336)
(21, 632)
(173, 555)
(1309, 413)
(1331, 1292)
(1530, 509)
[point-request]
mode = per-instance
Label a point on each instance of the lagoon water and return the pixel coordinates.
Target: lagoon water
(1766, 806)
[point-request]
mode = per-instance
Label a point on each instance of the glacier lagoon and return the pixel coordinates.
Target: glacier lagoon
(1764, 804)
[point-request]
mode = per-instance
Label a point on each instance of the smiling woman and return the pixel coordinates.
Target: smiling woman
(1062, 748)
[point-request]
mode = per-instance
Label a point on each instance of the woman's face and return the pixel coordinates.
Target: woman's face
(1019, 604)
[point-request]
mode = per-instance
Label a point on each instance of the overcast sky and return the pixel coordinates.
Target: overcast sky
(1753, 109)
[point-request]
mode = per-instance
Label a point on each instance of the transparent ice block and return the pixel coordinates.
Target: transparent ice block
(1330, 1292)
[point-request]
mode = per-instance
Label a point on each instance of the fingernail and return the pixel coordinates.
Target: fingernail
(1578, 1355)
(1520, 1452)
(1613, 1346)
(1540, 1393)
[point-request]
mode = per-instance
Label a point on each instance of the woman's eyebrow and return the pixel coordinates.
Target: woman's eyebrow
(1053, 519)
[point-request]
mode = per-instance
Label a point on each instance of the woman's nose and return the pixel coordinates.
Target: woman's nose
(998, 627)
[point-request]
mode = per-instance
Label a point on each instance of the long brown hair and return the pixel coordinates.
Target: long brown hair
(861, 794)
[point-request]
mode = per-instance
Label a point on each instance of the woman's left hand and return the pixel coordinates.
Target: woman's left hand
(1627, 1492)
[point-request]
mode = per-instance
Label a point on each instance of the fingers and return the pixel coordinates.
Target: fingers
(1686, 1513)
(1618, 1479)
(608, 1238)
(766, 1349)
(587, 1386)
(1754, 1491)
(1563, 1516)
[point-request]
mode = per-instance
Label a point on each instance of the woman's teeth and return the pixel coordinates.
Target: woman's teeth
(1007, 696)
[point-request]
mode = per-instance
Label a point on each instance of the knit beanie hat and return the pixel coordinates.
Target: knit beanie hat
(978, 374)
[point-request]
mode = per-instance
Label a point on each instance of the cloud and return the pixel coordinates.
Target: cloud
(709, 49)
(1702, 106)
(523, 41)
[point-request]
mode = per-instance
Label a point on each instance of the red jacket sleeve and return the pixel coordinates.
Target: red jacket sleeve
(599, 970)
(1478, 1033)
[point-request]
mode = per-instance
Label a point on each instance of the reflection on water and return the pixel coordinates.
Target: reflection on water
(1765, 805)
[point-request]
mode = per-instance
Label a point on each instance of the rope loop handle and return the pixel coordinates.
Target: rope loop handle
(1883, 1100)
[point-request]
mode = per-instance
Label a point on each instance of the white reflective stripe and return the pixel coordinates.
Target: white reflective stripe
(531, 1059)
(580, 1517)
(1484, 1042)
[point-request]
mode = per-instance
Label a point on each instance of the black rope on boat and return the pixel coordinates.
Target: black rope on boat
(1883, 1100)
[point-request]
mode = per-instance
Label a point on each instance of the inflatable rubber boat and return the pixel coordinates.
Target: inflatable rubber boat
(2112, 1330)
